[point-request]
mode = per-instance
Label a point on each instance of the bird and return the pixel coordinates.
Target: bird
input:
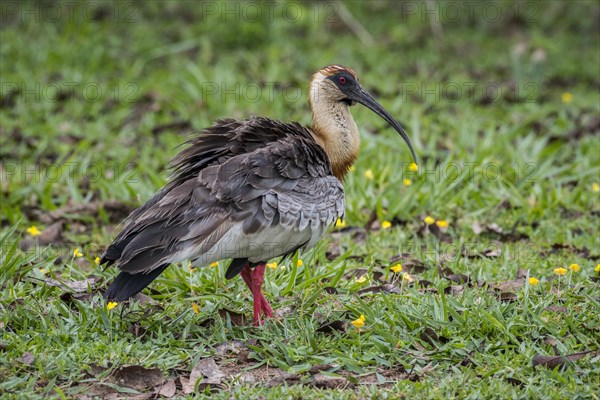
(248, 191)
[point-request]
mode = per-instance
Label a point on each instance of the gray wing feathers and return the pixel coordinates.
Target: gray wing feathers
(238, 181)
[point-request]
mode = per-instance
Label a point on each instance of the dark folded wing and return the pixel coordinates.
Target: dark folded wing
(253, 189)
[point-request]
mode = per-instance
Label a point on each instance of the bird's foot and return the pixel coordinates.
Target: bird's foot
(254, 279)
(261, 305)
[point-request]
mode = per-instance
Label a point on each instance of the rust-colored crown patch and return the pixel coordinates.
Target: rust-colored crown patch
(335, 68)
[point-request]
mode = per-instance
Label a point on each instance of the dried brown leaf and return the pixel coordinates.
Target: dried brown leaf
(508, 297)
(208, 370)
(332, 326)
(429, 336)
(491, 252)
(186, 385)
(81, 286)
(69, 297)
(385, 288)
(553, 362)
(454, 289)
(495, 230)
(138, 377)
(168, 389)
(16, 303)
(508, 286)
(515, 382)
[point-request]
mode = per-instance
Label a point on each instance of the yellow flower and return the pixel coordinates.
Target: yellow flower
(408, 278)
(574, 267)
(340, 223)
(429, 220)
(214, 264)
(43, 270)
(567, 97)
(359, 322)
(533, 281)
(560, 271)
(111, 305)
(407, 182)
(77, 253)
(97, 260)
(396, 268)
(352, 168)
(272, 265)
(299, 263)
(362, 279)
(33, 231)
(369, 174)
(195, 308)
(386, 225)
(442, 224)
(413, 167)
(595, 187)
(597, 269)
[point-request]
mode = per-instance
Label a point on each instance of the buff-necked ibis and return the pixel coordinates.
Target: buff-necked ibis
(250, 191)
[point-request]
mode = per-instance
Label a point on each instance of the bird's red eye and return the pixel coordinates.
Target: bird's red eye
(342, 79)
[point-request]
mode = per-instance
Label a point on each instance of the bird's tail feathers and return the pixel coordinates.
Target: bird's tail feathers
(127, 285)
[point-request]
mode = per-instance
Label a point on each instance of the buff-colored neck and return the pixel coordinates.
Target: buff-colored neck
(333, 126)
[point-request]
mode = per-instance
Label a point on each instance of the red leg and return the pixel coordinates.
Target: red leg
(247, 276)
(258, 278)
(254, 279)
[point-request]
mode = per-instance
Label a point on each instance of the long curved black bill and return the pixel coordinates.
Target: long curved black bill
(363, 97)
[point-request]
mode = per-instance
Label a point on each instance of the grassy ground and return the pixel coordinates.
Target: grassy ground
(502, 105)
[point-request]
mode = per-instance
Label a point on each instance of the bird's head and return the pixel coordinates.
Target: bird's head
(339, 84)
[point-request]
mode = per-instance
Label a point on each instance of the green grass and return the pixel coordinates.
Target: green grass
(519, 157)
